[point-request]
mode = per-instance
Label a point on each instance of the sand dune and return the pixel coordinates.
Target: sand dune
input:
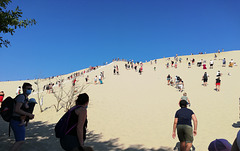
(133, 112)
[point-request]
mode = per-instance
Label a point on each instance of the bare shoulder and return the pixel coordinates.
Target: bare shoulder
(81, 110)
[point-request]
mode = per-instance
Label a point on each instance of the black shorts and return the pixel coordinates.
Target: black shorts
(205, 80)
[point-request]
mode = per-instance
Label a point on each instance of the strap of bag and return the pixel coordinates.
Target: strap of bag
(9, 130)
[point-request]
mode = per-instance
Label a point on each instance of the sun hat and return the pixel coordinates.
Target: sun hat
(220, 145)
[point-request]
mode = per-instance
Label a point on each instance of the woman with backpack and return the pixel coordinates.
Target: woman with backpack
(205, 79)
(74, 139)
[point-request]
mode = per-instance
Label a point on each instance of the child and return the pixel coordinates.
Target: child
(95, 80)
(184, 97)
(27, 107)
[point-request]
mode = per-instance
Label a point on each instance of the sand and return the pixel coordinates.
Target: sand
(136, 112)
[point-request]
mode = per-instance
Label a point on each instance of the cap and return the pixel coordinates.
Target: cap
(32, 100)
(220, 145)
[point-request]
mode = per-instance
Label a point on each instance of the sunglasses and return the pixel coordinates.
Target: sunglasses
(29, 88)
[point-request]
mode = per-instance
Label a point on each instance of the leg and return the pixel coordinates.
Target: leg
(17, 145)
(19, 134)
(182, 146)
(188, 146)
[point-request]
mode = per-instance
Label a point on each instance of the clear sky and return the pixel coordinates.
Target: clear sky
(74, 34)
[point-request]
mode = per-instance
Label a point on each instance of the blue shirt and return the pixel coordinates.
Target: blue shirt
(184, 116)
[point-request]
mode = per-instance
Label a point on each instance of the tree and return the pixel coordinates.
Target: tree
(10, 20)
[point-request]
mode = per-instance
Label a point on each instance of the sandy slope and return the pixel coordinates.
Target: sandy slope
(132, 111)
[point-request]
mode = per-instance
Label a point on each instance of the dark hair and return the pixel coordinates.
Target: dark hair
(183, 103)
(26, 85)
(82, 99)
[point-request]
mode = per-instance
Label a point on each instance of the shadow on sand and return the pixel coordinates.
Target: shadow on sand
(40, 136)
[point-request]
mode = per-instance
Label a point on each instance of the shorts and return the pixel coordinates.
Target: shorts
(185, 133)
(217, 84)
(69, 142)
(211, 65)
(19, 131)
(205, 80)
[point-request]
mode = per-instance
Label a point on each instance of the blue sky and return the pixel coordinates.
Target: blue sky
(72, 35)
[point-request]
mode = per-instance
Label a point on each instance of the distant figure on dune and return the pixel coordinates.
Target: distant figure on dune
(205, 78)
(18, 90)
(168, 79)
(219, 74)
(211, 64)
(102, 74)
(189, 64)
(176, 65)
(135, 67)
(224, 62)
(231, 63)
(193, 61)
(100, 79)
(183, 124)
(95, 79)
(114, 70)
(172, 63)
(167, 65)
(1, 97)
(180, 85)
(117, 69)
(86, 79)
(74, 139)
(74, 82)
(204, 66)
(218, 81)
(140, 70)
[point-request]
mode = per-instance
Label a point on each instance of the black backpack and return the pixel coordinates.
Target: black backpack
(7, 108)
(61, 128)
(205, 76)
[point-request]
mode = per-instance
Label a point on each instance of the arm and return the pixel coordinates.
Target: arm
(21, 112)
(234, 146)
(188, 101)
(195, 124)
(82, 114)
(174, 128)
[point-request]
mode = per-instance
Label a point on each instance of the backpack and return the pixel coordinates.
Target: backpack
(61, 128)
(7, 108)
(205, 76)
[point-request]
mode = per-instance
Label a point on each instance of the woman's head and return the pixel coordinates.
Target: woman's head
(82, 99)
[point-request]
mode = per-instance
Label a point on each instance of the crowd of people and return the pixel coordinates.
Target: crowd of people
(177, 82)
(74, 139)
